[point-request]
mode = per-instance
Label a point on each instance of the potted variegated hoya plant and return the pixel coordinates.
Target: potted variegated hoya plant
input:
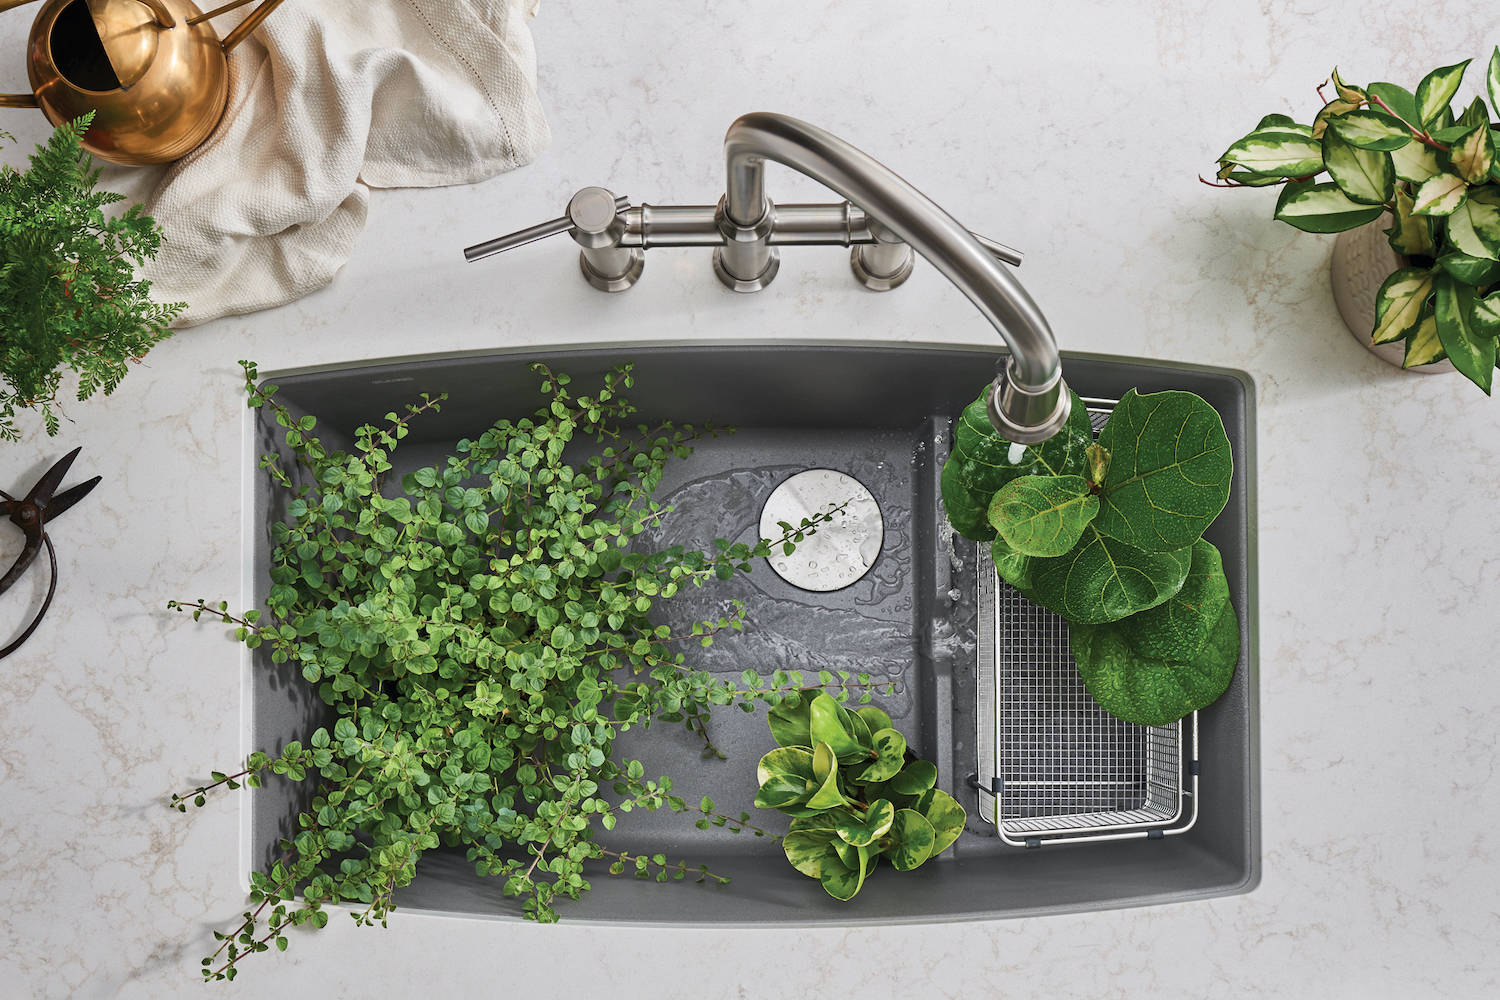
(1386, 149)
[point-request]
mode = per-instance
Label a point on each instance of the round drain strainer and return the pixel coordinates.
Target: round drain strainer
(844, 549)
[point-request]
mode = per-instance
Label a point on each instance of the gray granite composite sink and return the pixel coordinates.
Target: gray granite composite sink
(882, 413)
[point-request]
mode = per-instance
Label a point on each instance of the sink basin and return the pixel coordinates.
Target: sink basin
(881, 413)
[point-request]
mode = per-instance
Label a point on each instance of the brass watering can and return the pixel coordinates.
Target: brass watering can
(154, 72)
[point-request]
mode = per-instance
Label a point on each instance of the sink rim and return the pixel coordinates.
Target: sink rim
(1252, 788)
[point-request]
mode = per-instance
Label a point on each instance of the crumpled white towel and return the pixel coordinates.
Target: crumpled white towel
(327, 99)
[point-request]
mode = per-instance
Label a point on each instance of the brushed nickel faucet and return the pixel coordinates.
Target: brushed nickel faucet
(883, 220)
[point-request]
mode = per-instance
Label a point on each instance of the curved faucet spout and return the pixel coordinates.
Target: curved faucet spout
(1029, 401)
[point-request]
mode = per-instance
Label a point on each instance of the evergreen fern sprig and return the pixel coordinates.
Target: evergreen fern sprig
(69, 299)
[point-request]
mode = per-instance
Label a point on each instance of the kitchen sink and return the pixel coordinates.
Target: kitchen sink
(882, 414)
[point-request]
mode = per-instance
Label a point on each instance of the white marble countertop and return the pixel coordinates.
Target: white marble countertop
(1073, 130)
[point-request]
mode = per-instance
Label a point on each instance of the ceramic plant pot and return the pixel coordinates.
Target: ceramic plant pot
(1362, 260)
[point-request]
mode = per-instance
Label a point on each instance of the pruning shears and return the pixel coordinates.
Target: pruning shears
(31, 516)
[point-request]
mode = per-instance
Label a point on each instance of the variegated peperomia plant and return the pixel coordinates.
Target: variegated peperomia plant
(1109, 536)
(1386, 149)
(854, 793)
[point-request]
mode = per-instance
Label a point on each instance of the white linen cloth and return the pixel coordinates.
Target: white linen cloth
(328, 98)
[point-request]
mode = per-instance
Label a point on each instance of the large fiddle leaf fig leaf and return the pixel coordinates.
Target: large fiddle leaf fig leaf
(1365, 175)
(982, 463)
(1169, 472)
(1149, 691)
(1013, 567)
(1043, 515)
(1322, 208)
(1471, 353)
(968, 516)
(1177, 628)
(912, 839)
(1104, 579)
(1399, 302)
(1157, 666)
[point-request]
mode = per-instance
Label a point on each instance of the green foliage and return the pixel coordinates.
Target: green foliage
(1387, 149)
(849, 809)
(1157, 666)
(1043, 515)
(482, 631)
(982, 463)
(1134, 558)
(68, 295)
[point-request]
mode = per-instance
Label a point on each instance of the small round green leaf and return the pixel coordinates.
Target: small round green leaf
(781, 791)
(788, 761)
(890, 747)
(806, 850)
(862, 831)
(912, 839)
(918, 776)
(946, 816)
(875, 719)
(840, 880)
(789, 724)
(827, 727)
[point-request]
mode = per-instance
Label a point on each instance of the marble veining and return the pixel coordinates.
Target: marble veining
(1073, 130)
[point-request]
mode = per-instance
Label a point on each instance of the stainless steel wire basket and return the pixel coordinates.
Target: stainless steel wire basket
(1052, 765)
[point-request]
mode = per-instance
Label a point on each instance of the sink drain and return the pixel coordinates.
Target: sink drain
(844, 549)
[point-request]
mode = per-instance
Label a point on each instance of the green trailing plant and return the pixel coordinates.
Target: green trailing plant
(69, 300)
(854, 793)
(1109, 536)
(481, 630)
(1386, 149)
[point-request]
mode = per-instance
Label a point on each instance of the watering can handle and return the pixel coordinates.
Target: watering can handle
(15, 100)
(244, 28)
